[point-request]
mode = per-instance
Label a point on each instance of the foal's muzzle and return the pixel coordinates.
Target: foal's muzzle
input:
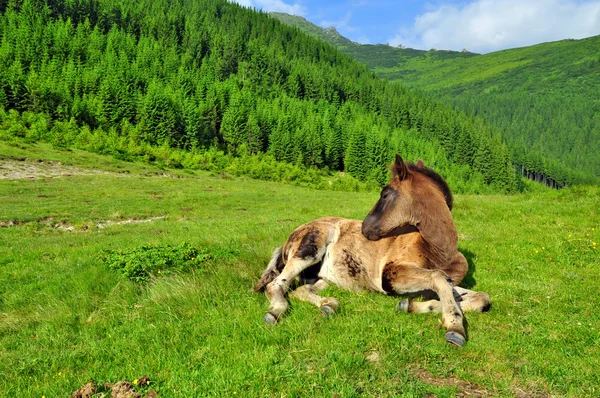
(369, 230)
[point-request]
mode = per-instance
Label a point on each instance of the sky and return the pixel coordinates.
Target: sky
(480, 26)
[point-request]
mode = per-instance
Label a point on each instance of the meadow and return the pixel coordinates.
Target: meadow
(66, 317)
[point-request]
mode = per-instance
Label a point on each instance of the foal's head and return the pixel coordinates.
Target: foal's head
(413, 186)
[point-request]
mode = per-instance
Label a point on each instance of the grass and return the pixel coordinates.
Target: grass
(65, 317)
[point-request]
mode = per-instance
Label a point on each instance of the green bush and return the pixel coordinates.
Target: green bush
(142, 263)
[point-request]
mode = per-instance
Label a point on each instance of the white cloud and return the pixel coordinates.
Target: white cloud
(362, 40)
(340, 24)
(273, 5)
(491, 25)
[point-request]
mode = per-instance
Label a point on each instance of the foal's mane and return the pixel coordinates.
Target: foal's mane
(437, 180)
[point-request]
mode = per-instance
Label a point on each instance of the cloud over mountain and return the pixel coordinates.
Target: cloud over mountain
(490, 25)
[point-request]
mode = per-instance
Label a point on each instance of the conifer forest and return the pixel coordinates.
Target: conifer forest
(208, 74)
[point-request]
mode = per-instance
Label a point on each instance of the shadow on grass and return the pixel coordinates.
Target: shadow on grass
(469, 281)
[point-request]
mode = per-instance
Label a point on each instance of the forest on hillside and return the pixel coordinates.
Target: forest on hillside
(211, 74)
(542, 99)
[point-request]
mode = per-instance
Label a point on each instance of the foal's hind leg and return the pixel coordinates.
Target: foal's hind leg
(310, 294)
(467, 300)
(457, 268)
(409, 278)
(470, 300)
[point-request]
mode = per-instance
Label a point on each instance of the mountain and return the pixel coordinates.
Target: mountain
(373, 55)
(542, 99)
(329, 35)
(210, 75)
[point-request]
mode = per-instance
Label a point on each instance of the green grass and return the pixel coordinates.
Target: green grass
(65, 317)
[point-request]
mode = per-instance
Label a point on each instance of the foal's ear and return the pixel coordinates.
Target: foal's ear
(420, 164)
(400, 169)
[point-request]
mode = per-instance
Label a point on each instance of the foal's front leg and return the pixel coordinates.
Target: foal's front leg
(275, 291)
(409, 278)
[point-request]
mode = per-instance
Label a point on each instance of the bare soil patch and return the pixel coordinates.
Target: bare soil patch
(15, 169)
(464, 389)
(120, 389)
(86, 391)
(67, 226)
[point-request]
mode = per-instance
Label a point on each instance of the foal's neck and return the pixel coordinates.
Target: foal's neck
(437, 228)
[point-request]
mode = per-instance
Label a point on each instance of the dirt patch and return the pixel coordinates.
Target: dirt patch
(520, 393)
(463, 388)
(120, 389)
(128, 221)
(9, 223)
(86, 391)
(66, 226)
(16, 169)
(123, 389)
(47, 221)
(373, 357)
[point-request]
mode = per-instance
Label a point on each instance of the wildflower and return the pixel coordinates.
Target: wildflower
(136, 380)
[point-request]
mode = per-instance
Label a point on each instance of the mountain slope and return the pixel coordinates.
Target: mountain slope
(119, 76)
(542, 98)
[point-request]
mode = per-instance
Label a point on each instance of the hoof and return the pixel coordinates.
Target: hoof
(270, 319)
(455, 338)
(328, 310)
(402, 306)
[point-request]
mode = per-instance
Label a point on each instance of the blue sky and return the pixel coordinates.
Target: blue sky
(478, 25)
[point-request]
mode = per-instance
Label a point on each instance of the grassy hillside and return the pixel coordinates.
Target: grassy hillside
(66, 317)
(542, 98)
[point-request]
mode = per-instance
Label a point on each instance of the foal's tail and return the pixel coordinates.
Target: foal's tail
(273, 270)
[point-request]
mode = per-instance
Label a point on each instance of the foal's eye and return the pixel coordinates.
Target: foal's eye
(384, 195)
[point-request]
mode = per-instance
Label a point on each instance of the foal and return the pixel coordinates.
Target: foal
(406, 245)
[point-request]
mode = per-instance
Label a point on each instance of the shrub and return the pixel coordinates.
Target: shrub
(141, 263)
